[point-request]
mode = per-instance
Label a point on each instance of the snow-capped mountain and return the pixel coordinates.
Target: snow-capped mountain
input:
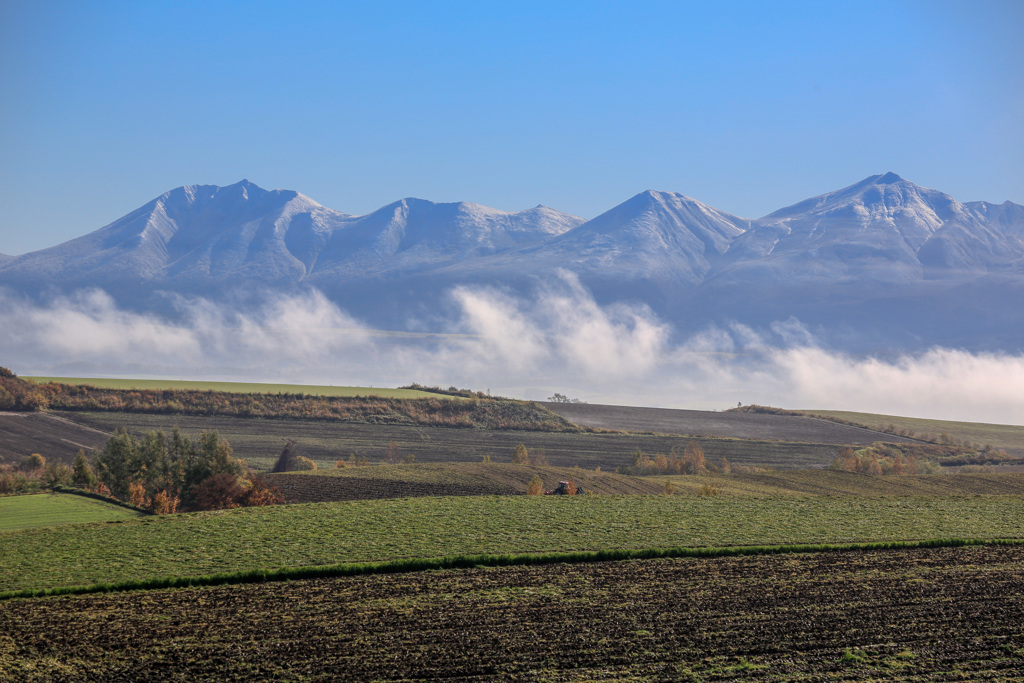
(414, 234)
(882, 230)
(882, 262)
(189, 235)
(205, 238)
(663, 235)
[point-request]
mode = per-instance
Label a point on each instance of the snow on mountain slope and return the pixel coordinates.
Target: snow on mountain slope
(879, 201)
(191, 233)
(202, 233)
(413, 234)
(871, 230)
(995, 242)
(653, 235)
(243, 231)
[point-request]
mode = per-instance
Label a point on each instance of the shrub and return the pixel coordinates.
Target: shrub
(352, 461)
(303, 464)
(33, 463)
(537, 457)
(17, 482)
(57, 474)
(165, 504)
(693, 458)
(260, 493)
(137, 495)
(536, 486)
(101, 490)
(219, 492)
(519, 457)
(710, 490)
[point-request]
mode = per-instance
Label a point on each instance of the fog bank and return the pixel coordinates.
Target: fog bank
(559, 340)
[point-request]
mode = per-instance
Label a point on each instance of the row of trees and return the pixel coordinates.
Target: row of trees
(690, 461)
(879, 460)
(452, 391)
(33, 473)
(524, 456)
(17, 394)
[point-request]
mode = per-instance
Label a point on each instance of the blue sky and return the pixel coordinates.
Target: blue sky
(747, 106)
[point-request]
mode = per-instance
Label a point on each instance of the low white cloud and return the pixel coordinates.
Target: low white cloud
(89, 333)
(563, 328)
(560, 340)
(940, 383)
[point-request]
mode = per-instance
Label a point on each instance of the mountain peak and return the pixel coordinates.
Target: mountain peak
(658, 195)
(244, 189)
(888, 179)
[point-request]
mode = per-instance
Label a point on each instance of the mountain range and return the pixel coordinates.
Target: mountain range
(880, 265)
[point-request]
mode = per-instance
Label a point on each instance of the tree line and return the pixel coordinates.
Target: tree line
(690, 461)
(160, 473)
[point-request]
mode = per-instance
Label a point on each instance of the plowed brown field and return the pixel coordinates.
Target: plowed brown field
(260, 441)
(724, 424)
(56, 439)
(925, 615)
(446, 479)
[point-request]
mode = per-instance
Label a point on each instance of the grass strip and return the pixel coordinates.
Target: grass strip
(75, 491)
(504, 560)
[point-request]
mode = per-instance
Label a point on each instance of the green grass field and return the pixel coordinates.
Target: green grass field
(331, 533)
(237, 387)
(49, 509)
(1010, 437)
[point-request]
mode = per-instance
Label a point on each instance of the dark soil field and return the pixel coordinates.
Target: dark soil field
(260, 441)
(56, 439)
(923, 615)
(762, 426)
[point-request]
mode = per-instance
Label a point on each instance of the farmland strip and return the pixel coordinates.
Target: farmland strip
(502, 560)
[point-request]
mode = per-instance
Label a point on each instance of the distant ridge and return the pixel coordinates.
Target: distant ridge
(882, 263)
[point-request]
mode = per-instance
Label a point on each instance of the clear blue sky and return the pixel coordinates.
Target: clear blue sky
(748, 106)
